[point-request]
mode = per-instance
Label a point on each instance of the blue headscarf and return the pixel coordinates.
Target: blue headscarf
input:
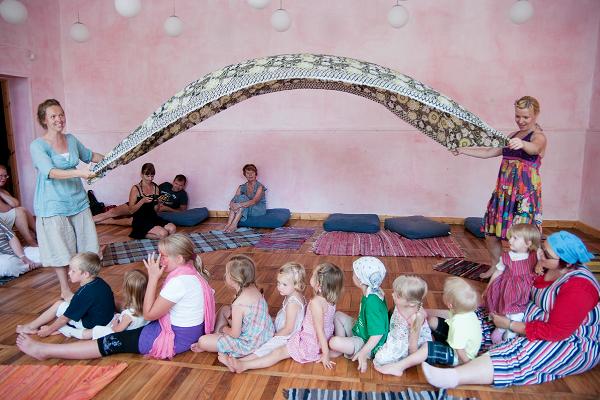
(569, 248)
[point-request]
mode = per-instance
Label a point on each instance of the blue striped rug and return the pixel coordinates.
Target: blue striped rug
(326, 394)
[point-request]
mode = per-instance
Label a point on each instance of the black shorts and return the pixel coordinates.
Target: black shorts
(120, 342)
(440, 334)
(439, 353)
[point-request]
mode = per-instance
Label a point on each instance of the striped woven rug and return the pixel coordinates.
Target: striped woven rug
(327, 394)
(384, 243)
(463, 268)
(137, 250)
(286, 238)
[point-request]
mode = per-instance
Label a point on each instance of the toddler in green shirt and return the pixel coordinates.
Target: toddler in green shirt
(360, 339)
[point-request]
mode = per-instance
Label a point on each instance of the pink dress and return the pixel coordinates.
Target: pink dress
(303, 346)
(509, 293)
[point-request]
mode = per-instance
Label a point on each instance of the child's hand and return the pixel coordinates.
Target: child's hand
(44, 331)
(114, 322)
(500, 321)
(363, 360)
(327, 363)
(153, 267)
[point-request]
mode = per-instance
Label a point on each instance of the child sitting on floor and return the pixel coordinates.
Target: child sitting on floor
(458, 338)
(134, 288)
(309, 344)
(291, 282)
(509, 288)
(245, 325)
(93, 303)
(360, 339)
(408, 326)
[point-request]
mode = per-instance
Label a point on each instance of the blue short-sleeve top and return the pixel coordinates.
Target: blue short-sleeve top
(58, 196)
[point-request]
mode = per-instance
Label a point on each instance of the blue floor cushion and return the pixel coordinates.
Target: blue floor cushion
(189, 217)
(274, 218)
(475, 226)
(362, 223)
(417, 227)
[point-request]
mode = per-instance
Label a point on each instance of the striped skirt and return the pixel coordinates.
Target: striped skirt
(524, 362)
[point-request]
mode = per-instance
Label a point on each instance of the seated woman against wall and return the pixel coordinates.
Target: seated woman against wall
(559, 336)
(143, 205)
(249, 199)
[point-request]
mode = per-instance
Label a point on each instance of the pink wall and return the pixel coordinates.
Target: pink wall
(589, 207)
(30, 59)
(323, 151)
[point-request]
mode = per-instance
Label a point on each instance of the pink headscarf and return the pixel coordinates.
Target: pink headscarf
(164, 345)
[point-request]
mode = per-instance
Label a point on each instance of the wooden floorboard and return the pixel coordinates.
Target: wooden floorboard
(191, 375)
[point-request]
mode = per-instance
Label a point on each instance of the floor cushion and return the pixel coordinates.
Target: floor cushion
(417, 227)
(362, 223)
(274, 218)
(189, 217)
(475, 226)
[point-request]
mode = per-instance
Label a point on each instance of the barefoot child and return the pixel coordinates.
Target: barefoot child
(408, 326)
(291, 283)
(245, 325)
(458, 338)
(361, 339)
(509, 288)
(309, 344)
(134, 287)
(92, 304)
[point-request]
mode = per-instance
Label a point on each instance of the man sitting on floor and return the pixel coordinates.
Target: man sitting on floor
(12, 214)
(174, 204)
(14, 259)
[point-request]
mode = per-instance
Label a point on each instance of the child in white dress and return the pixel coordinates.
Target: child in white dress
(291, 282)
(408, 325)
(134, 288)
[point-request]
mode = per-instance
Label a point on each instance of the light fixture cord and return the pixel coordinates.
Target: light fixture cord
(281, 4)
(78, 17)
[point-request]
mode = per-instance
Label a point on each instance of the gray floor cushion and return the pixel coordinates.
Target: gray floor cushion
(362, 223)
(417, 227)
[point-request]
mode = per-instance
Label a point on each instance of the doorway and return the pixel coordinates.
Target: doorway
(7, 143)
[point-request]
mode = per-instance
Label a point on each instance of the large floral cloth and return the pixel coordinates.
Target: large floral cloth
(436, 115)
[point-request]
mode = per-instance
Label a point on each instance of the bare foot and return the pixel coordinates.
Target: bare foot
(224, 359)
(101, 251)
(390, 369)
(196, 348)
(31, 347)
(66, 296)
(26, 329)
(236, 364)
(487, 274)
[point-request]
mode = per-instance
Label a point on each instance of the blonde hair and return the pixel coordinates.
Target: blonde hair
(528, 232)
(410, 288)
(297, 272)
(86, 262)
(134, 289)
(330, 279)
(242, 270)
(463, 297)
(179, 244)
(528, 102)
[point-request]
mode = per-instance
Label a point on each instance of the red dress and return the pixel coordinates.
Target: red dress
(509, 293)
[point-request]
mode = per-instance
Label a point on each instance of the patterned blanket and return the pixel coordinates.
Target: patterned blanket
(463, 268)
(137, 250)
(384, 243)
(328, 394)
(284, 239)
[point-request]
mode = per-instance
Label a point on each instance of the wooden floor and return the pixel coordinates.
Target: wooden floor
(192, 375)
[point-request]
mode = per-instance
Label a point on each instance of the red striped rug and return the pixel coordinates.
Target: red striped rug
(384, 243)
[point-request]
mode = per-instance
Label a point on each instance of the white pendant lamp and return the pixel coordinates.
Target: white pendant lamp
(398, 16)
(173, 26)
(280, 19)
(128, 8)
(258, 4)
(520, 12)
(13, 11)
(79, 32)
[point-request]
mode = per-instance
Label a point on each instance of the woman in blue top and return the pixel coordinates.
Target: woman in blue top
(249, 199)
(64, 224)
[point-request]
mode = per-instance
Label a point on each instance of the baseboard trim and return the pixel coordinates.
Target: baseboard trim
(549, 223)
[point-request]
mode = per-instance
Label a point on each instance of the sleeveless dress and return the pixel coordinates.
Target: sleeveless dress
(509, 293)
(517, 197)
(256, 210)
(257, 328)
(396, 345)
(303, 346)
(278, 341)
(145, 218)
(523, 362)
